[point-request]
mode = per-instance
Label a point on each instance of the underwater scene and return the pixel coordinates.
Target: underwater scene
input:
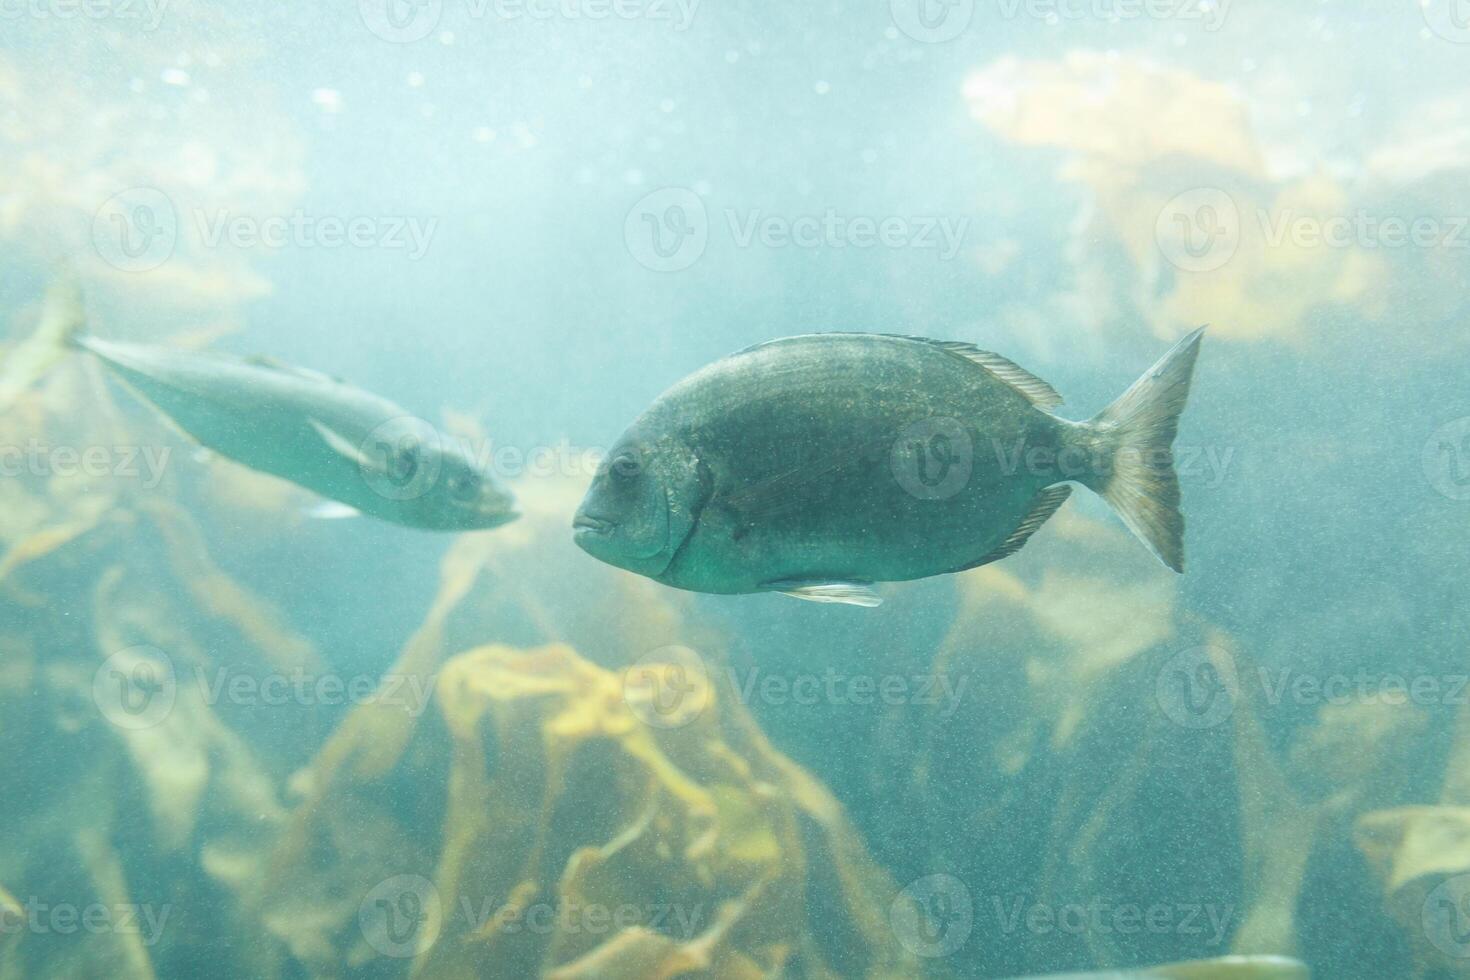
(621, 489)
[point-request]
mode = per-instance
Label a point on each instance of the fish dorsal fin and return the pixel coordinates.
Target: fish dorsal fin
(1046, 504)
(1038, 392)
(849, 593)
(266, 361)
(1003, 369)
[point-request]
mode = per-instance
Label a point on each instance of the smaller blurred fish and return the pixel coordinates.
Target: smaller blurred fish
(1225, 968)
(344, 443)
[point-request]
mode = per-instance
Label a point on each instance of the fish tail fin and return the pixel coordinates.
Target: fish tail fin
(1136, 434)
(58, 330)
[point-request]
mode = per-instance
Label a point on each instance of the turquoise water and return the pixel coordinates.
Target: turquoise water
(239, 739)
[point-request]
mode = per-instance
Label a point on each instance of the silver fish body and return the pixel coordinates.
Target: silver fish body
(321, 433)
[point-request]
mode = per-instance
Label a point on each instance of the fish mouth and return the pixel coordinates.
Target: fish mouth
(587, 524)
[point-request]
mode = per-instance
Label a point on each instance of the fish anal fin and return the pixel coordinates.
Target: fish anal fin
(1043, 507)
(848, 593)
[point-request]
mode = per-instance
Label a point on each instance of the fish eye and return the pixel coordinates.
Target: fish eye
(625, 466)
(464, 486)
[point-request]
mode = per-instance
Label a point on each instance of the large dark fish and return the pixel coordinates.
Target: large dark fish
(821, 464)
(324, 434)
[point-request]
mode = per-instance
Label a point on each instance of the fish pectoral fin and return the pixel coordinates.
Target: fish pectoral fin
(341, 445)
(331, 510)
(1046, 504)
(849, 593)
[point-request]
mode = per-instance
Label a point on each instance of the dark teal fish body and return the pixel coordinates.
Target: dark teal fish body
(321, 433)
(820, 464)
